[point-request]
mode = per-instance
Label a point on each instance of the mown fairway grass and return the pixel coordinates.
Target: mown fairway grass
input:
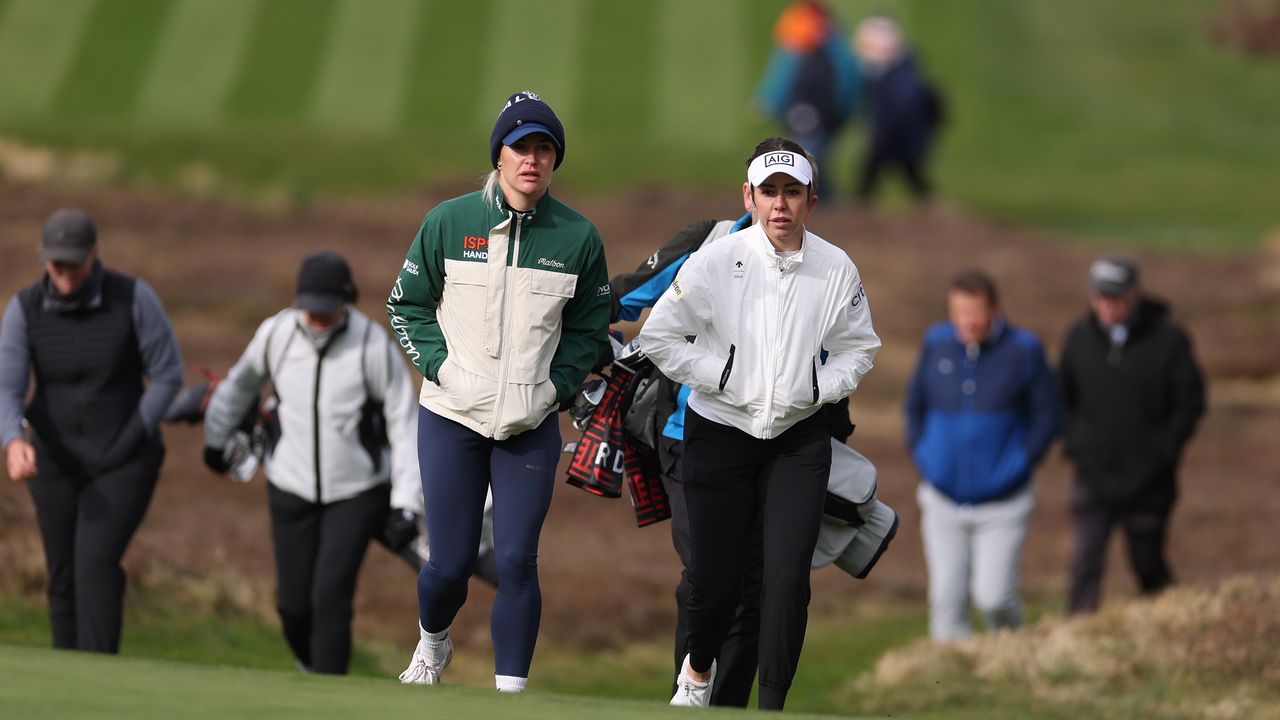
(1192, 652)
(48, 683)
(836, 651)
(1123, 123)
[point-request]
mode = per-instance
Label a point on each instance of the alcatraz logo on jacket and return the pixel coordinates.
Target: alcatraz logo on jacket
(400, 324)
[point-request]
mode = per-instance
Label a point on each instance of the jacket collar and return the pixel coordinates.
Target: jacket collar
(86, 297)
(760, 242)
(1146, 314)
(999, 326)
(506, 212)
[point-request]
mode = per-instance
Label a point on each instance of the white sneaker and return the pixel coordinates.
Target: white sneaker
(426, 668)
(690, 692)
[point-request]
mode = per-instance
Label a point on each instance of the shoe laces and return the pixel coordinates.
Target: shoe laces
(420, 672)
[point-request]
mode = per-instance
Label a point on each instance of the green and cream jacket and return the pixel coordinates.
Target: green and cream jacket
(502, 312)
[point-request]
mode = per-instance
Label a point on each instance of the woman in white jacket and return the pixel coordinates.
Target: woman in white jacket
(331, 477)
(781, 327)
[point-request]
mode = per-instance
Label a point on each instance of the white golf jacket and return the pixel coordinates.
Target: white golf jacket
(761, 324)
(319, 457)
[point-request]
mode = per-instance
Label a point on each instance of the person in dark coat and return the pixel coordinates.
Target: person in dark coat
(1133, 394)
(903, 109)
(106, 366)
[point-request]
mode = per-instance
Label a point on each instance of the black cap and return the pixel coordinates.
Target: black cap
(324, 283)
(68, 236)
(1113, 275)
(523, 114)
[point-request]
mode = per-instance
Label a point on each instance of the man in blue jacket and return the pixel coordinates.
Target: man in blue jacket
(982, 408)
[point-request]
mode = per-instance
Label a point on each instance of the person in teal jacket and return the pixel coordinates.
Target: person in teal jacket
(502, 304)
(812, 83)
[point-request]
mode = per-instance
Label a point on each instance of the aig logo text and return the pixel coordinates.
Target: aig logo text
(779, 159)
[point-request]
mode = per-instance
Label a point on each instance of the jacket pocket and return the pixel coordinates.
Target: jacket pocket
(815, 380)
(461, 310)
(465, 393)
(525, 407)
(728, 367)
(538, 315)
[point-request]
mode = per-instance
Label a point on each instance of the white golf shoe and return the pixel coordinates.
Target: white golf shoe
(690, 692)
(426, 668)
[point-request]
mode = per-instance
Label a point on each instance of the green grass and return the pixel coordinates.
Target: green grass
(159, 628)
(1182, 657)
(53, 684)
(836, 651)
(1119, 123)
(1124, 124)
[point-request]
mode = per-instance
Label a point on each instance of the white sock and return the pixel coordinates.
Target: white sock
(510, 683)
(433, 642)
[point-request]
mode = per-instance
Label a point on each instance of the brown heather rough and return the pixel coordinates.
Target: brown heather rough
(221, 269)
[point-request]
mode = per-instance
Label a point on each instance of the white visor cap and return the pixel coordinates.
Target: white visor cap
(780, 161)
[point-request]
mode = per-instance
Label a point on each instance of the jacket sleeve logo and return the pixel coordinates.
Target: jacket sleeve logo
(858, 296)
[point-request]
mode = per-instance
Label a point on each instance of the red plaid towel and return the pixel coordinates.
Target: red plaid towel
(604, 459)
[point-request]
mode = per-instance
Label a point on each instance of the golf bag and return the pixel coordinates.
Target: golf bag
(254, 438)
(856, 527)
(619, 436)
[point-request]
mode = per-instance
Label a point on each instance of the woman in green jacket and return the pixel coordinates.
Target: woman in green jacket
(503, 305)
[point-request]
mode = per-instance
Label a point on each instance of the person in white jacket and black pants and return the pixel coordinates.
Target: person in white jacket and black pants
(781, 327)
(332, 473)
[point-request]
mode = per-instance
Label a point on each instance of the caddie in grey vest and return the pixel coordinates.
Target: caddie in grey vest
(106, 365)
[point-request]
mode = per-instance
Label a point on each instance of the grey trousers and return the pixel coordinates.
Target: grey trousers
(972, 553)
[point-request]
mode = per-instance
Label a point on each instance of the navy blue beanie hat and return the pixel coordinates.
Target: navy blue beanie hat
(525, 113)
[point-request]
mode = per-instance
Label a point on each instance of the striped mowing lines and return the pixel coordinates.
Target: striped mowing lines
(196, 62)
(281, 62)
(533, 46)
(38, 43)
(675, 72)
(362, 78)
(702, 72)
(112, 58)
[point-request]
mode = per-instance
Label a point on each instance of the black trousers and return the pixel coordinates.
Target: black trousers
(736, 664)
(1145, 530)
(882, 155)
(319, 549)
(732, 481)
(86, 522)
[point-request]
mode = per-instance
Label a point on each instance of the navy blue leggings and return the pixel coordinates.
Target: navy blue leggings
(458, 465)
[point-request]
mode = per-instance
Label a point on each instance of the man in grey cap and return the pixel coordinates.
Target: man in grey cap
(1132, 394)
(106, 365)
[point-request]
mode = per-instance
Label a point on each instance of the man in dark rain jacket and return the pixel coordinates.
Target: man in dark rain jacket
(1133, 394)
